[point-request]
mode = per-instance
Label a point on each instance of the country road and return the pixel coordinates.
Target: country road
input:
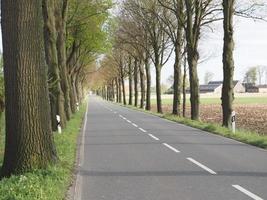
(130, 155)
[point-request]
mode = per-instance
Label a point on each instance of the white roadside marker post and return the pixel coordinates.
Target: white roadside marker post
(233, 119)
(58, 124)
(77, 106)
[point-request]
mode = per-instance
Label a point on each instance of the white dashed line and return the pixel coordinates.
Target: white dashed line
(172, 148)
(202, 166)
(115, 112)
(128, 121)
(248, 193)
(134, 125)
(121, 116)
(142, 130)
(154, 137)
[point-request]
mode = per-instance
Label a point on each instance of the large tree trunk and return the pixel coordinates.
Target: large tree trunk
(117, 90)
(148, 84)
(184, 86)
(120, 92)
(192, 37)
(158, 88)
(142, 85)
(176, 110)
(136, 83)
(50, 35)
(29, 139)
(130, 82)
(194, 85)
(123, 84)
(228, 62)
(61, 17)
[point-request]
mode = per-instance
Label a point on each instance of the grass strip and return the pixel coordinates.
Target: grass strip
(53, 183)
(244, 136)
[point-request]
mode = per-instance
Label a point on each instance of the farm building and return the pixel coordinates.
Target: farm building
(250, 88)
(216, 87)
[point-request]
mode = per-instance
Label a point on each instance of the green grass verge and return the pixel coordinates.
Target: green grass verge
(53, 183)
(244, 136)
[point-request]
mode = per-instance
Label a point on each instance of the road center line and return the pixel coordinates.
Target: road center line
(128, 121)
(143, 130)
(248, 193)
(202, 166)
(154, 137)
(121, 117)
(134, 125)
(172, 148)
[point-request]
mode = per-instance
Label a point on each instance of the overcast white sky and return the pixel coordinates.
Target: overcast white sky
(250, 49)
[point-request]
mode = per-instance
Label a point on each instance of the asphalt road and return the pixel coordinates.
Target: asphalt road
(130, 155)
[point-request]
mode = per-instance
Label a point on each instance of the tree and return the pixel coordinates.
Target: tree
(260, 71)
(2, 102)
(50, 35)
(208, 77)
(228, 62)
(29, 138)
(251, 76)
(174, 21)
(199, 13)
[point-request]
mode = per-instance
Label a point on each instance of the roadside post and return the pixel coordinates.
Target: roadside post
(233, 119)
(77, 106)
(58, 124)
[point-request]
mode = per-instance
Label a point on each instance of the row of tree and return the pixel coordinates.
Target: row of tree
(49, 50)
(149, 32)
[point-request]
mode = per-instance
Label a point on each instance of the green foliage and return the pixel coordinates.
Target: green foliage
(48, 184)
(88, 25)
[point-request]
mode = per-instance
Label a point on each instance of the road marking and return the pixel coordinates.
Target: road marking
(115, 112)
(134, 125)
(172, 148)
(121, 116)
(154, 137)
(128, 121)
(248, 193)
(202, 166)
(79, 180)
(142, 130)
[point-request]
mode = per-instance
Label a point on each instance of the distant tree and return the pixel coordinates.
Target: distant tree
(208, 77)
(29, 138)
(251, 76)
(261, 70)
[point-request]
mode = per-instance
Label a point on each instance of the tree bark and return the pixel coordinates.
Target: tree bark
(192, 37)
(142, 85)
(120, 92)
(130, 82)
(61, 18)
(228, 62)
(136, 83)
(158, 88)
(50, 36)
(29, 139)
(122, 84)
(176, 110)
(148, 84)
(184, 87)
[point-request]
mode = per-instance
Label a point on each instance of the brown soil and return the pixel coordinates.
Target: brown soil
(249, 117)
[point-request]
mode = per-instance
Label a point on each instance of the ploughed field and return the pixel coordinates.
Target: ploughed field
(251, 111)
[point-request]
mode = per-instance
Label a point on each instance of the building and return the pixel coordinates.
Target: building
(216, 87)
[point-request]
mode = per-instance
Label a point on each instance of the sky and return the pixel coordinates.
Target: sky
(250, 49)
